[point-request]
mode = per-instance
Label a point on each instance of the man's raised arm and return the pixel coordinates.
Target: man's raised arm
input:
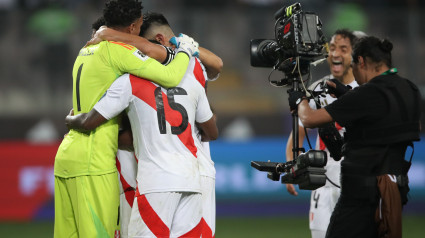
(152, 50)
(212, 62)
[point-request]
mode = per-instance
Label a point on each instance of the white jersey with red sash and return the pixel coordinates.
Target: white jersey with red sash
(207, 172)
(162, 123)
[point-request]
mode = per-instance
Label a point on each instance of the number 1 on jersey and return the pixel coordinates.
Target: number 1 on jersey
(77, 87)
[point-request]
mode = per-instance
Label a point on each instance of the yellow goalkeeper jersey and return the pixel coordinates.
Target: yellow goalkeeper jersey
(95, 69)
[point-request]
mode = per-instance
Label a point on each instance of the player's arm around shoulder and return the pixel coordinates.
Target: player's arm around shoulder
(213, 64)
(148, 48)
(128, 59)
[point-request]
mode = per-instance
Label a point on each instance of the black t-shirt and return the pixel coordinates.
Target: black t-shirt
(362, 105)
(366, 107)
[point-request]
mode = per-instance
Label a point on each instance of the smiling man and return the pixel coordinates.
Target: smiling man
(339, 59)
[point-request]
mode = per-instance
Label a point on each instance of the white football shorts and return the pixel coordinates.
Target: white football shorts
(322, 204)
(208, 206)
(126, 202)
(166, 214)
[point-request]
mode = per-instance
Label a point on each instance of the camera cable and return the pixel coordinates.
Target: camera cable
(330, 181)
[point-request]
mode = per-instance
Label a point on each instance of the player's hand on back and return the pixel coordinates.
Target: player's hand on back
(186, 44)
(71, 113)
(97, 37)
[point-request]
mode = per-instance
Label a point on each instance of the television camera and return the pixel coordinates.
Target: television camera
(299, 43)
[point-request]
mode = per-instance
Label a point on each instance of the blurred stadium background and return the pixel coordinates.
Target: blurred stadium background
(41, 38)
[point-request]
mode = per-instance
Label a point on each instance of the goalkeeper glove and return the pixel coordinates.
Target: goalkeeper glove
(186, 44)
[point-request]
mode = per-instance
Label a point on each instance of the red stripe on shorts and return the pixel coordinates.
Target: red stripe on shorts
(196, 231)
(206, 229)
(151, 219)
(145, 90)
(128, 190)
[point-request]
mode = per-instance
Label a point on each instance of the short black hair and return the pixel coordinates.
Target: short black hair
(346, 33)
(98, 23)
(375, 49)
(149, 19)
(122, 13)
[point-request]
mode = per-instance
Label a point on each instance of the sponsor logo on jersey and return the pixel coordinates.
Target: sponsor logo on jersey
(88, 51)
(140, 55)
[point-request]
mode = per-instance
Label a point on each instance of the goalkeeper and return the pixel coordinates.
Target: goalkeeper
(86, 183)
(158, 26)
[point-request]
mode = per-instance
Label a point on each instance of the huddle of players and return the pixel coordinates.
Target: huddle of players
(174, 193)
(156, 27)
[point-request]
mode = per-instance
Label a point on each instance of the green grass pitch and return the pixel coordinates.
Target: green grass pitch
(227, 227)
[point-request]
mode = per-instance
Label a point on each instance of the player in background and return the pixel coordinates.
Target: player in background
(85, 162)
(168, 199)
(157, 29)
(323, 200)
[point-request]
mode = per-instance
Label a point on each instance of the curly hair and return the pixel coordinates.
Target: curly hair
(121, 13)
(98, 23)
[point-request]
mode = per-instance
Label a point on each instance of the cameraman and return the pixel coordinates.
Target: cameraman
(381, 117)
(323, 200)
